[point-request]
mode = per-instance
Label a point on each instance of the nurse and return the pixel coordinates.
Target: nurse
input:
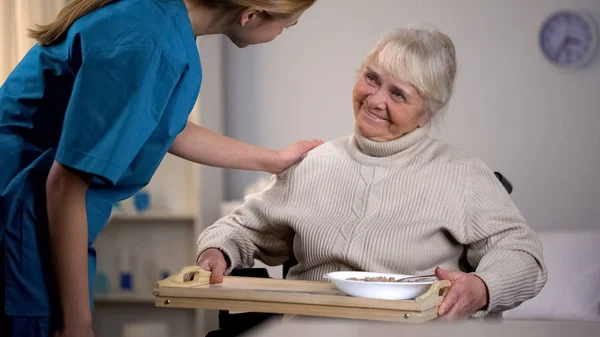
(85, 120)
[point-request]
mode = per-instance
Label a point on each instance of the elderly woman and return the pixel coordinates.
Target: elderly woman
(389, 198)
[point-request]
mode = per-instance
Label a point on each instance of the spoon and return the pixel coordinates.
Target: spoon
(420, 278)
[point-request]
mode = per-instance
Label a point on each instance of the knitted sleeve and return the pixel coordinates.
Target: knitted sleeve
(505, 252)
(251, 231)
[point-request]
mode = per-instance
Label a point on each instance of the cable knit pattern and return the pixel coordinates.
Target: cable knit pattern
(404, 206)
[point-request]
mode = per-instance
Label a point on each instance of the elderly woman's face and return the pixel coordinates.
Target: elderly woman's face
(385, 108)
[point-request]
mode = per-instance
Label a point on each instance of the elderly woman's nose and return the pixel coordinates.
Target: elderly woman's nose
(377, 99)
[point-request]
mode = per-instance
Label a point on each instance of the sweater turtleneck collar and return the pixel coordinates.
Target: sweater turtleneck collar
(389, 149)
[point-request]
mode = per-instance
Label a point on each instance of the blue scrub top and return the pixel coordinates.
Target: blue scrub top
(109, 99)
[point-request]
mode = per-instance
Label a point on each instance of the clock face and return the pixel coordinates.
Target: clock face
(567, 39)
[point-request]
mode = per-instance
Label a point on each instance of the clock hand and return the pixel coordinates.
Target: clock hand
(561, 48)
(573, 40)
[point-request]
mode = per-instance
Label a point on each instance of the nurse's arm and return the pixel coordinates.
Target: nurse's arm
(65, 193)
(202, 146)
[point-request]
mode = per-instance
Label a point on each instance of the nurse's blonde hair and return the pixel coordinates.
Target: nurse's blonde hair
(75, 9)
(422, 56)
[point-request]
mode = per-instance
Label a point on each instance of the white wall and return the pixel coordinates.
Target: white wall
(535, 124)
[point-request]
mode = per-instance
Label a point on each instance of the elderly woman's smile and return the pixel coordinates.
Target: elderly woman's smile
(376, 115)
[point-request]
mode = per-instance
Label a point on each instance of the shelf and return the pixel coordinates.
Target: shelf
(154, 216)
(124, 298)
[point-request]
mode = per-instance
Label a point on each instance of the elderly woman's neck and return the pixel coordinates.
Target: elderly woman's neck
(390, 148)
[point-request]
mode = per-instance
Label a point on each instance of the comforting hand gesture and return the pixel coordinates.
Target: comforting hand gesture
(292, 154)
(213, 260)
(467, 294)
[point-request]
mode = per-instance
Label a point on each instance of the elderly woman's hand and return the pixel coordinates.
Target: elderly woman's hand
(467, 294)
(213, 260)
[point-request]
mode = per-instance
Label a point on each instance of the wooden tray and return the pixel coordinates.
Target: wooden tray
(305, 298)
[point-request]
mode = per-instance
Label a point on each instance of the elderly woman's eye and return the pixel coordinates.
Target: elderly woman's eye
(370, 77)
(398, 94)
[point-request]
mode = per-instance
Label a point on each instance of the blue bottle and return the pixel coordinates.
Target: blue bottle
(141, 201)
(125, 275)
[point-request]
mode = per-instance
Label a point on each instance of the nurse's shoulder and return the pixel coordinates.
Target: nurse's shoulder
(142, 24)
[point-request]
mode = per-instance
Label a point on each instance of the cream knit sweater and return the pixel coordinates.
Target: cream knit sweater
(404, 206)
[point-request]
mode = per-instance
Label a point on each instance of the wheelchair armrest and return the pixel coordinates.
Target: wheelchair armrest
(507, 185)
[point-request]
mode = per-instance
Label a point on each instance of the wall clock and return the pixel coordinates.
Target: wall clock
(568, 38)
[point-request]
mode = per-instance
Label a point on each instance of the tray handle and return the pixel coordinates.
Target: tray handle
(434, 295)
(184, 276)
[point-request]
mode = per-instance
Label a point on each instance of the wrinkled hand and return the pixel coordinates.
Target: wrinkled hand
(213, 260)
(292, 154)
(467, 294)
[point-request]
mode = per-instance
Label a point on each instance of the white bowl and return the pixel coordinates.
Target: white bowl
(378, 290)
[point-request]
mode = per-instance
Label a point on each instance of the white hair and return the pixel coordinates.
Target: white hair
(422, 56)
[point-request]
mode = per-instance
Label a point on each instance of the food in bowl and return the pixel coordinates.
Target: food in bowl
(387, 279)
(373, 279)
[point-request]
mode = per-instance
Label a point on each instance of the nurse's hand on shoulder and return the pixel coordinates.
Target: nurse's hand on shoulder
(468, 294)
(213, 260)
(292, 154)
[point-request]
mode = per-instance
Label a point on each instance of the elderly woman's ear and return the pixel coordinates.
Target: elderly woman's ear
(424, 120)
